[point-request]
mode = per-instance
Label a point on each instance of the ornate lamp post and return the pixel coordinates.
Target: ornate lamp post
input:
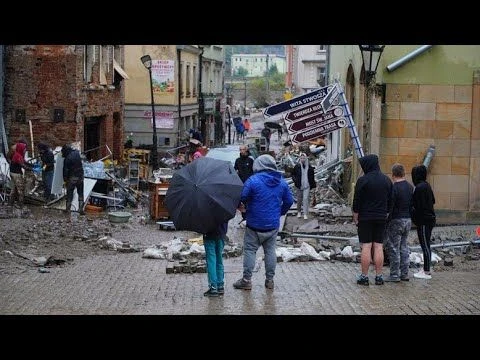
(147, 62)
(371, 57)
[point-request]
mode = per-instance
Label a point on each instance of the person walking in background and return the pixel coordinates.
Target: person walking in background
(73, 176)
(303, 178)
(214, 241)
(266, 133)
(372, 200)
(265, 197)
(17, 164)
(246, 126)
(398, 226)
(48, 164)
(244, 164)
(423, 216)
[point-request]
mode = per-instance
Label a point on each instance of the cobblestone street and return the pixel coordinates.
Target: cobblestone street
(129, 284)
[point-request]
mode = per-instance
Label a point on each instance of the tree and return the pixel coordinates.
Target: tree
(241, 72)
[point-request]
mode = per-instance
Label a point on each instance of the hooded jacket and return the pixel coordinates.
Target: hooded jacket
(266, 195)
(18, 158)
(72, 166)
(373, 191)
(422, 211)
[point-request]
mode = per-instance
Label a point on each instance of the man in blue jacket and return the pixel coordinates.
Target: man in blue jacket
(371, 202)
(266, 196)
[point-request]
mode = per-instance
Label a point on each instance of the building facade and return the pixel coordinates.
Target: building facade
(175, 72)
(214, 102)
(306, 67)
(432, 98)
(256, 65)
(68, 93)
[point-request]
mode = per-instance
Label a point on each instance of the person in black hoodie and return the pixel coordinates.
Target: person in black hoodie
(48, 165)
(73, 176)
(372, 200)
(423, 216)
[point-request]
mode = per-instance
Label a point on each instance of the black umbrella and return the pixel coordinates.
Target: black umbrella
(203, 195)
(272, 125)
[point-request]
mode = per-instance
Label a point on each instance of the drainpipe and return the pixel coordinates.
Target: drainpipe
(429, 155)
(2, 125)
(179, 58)
(201, 100)
(408, 57)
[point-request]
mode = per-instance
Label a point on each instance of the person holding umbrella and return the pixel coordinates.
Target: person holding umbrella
(214, 241)
(202, 197)
(267, 196)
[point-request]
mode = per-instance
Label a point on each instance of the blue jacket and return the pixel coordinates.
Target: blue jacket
(267, 196)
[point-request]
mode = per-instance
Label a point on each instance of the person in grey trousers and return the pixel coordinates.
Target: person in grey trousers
(265, 197)
(399, 225)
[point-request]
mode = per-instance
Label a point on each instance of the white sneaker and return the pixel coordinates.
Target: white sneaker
(299, 215)
(421, 275)
(305, 217)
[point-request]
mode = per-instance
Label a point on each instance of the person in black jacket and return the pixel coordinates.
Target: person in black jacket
(398, 226)
(303, 178)
(73, 176)
(372, 200)
(423, 216)
(48, 164)
(244, 167)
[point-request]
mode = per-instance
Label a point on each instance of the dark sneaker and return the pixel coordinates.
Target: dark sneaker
(211, 292)
(392, 279)
(243, 284)
(363, 280)
(404, 278)
(379, 280)
(269, 284)
(221, 290)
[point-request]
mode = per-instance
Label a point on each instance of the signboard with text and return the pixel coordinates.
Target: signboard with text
(298, 101)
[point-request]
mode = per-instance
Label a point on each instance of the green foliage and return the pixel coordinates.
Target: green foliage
(241, 72)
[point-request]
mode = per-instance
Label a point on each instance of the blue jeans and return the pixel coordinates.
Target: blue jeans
(251, 242)
(214, 258)
(47, 177)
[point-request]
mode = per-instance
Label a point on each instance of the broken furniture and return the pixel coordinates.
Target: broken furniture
(158, 191)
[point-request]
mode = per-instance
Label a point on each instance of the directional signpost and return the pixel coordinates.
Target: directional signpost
(316, 114)
(330, 99)
(297, 102)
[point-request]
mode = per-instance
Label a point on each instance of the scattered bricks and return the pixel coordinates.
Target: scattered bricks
(177, 267)
(170, 269)
(201, 269)
(187, 269)
(448, 261)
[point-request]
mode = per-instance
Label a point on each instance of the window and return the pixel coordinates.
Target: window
(187, 79)
(180, 70)
(194, 87)
(321, 48)
(321, 76)
(88, 62)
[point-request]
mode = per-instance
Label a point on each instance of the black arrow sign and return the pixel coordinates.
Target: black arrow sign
(318, 131)
(297, 101)
(308, 110)
(315, 120)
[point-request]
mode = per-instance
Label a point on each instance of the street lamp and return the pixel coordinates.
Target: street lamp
(229, 103)
(371, 57)
(147, 62)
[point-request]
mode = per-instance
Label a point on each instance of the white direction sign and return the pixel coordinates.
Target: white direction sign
(329, 100)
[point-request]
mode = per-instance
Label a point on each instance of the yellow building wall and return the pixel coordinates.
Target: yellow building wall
(137, 89)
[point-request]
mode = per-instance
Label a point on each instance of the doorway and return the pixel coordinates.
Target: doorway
(91, 141)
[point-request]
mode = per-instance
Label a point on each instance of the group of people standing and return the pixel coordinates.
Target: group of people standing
(384, 210)
(73, 174)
